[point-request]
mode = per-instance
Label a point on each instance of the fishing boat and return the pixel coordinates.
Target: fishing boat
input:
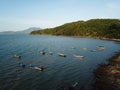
(100, 48)
(84, 49)
(42, 52)
(22, 65)
(62, 55)
(36, 68)
(78, 56)
(73, 47)
(51, 53)
(17, 56)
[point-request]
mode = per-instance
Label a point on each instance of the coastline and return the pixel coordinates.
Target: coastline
(99, 38)
(112, 39)
(107, 76)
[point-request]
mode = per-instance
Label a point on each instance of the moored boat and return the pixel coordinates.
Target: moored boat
(22, 65)
(17, 56)
(100, 48)
(62, 55)
(84, 49)
(50, 53)
(36, 68)
(42, 52)
(78, 56)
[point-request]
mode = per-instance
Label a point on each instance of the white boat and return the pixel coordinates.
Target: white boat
(42, 52)
(51, 53)
(78, 56)
(73, 47)
(62, 55)
(36, 68)
(17, 56)
(100, 48)
(84, 49)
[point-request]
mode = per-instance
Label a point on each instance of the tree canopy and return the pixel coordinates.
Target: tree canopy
(101, 28)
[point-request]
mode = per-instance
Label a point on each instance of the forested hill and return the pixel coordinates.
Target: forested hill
(100, 28)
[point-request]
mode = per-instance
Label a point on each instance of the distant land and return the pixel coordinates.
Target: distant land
(26, 31)
(7, 32)
(97, 28)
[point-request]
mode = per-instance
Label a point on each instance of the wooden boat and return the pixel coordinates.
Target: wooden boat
(36, 68)
(17, 56)
(42, 52)
(73, 48)
(51, 53)
(76, 56)
(62, 55)
(100, 48)
(84, 49)
(22, 65)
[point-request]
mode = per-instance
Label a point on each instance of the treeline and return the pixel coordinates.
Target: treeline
(99, 28)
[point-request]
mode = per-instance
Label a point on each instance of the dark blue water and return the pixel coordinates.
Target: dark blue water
(59, 73)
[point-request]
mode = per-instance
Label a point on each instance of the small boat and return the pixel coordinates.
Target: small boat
(42, 52)
(73, 47)
(17, 56)
(51, 53)
(36, 68)
(22, 65)
(100, 48)
(62, 55)
(76, 56)
(84, 49)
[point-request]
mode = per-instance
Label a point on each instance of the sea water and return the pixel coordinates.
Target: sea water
(60, 73)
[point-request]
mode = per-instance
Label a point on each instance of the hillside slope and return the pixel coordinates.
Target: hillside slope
(100, 28)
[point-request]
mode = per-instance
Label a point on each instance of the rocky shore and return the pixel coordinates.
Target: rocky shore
(107, 76)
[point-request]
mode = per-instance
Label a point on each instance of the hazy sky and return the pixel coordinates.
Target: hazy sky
(21, 14)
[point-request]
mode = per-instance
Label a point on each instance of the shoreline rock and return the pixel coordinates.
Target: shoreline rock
(107, 76)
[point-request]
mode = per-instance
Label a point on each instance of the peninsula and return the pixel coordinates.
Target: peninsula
(96, 28)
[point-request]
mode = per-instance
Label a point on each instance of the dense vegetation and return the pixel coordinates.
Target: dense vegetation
(100, 28)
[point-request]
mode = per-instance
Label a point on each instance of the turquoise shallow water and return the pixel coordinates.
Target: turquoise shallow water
(59, 73)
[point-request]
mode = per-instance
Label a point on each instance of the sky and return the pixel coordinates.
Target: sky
(18, 15)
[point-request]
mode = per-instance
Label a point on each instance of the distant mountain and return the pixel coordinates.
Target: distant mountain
(7, 32)
(26, 31)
